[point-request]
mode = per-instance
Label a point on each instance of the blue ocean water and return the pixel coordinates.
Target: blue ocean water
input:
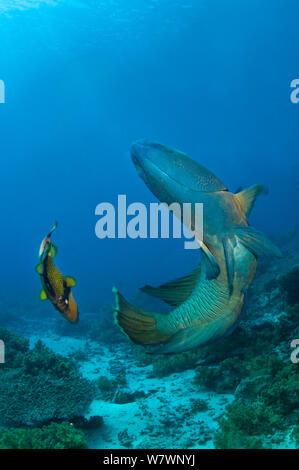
(85, 78)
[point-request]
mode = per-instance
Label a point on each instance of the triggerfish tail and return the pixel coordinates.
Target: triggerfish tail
(139, 325)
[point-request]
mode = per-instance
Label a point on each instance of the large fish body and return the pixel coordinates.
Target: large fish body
(209, 301)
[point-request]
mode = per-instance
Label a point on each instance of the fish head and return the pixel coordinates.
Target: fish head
(171, 174)
(68, 307)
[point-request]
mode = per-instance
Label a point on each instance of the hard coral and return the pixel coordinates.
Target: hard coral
(45, 387)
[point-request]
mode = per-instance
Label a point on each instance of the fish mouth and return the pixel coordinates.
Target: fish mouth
(142, 158)
(160, 164)
(135, 160)
(138, 157)
(136, 152)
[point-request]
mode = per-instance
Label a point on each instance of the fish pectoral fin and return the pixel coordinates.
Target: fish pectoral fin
(257, 242)
(209, 263)
(175, 292)
(39, 268)
(70, 281)
(42, 294)
(228, 246)
(53, 250)
(247, 197)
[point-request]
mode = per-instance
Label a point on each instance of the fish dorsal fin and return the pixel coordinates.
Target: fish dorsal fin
(70, 281)
(39, 268)
(53, 250)
(247, 197)
(256, 242)
(175, 292)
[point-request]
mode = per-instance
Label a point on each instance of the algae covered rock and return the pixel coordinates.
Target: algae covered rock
(199, 405)
(166, 365)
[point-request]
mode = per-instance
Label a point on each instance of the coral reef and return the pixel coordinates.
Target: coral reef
(15, 348)
(44, 387)
(164, 366)
(240, 392)
(114, 390)
(54, 436)
(267, 393)
(289, 285)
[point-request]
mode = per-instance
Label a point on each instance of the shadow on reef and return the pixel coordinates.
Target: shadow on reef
(43, 398)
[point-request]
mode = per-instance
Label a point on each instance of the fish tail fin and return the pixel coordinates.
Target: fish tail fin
(52, 229)
(139, 325)
(247, 197)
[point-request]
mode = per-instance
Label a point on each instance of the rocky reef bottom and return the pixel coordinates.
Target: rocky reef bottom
(94, 389)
